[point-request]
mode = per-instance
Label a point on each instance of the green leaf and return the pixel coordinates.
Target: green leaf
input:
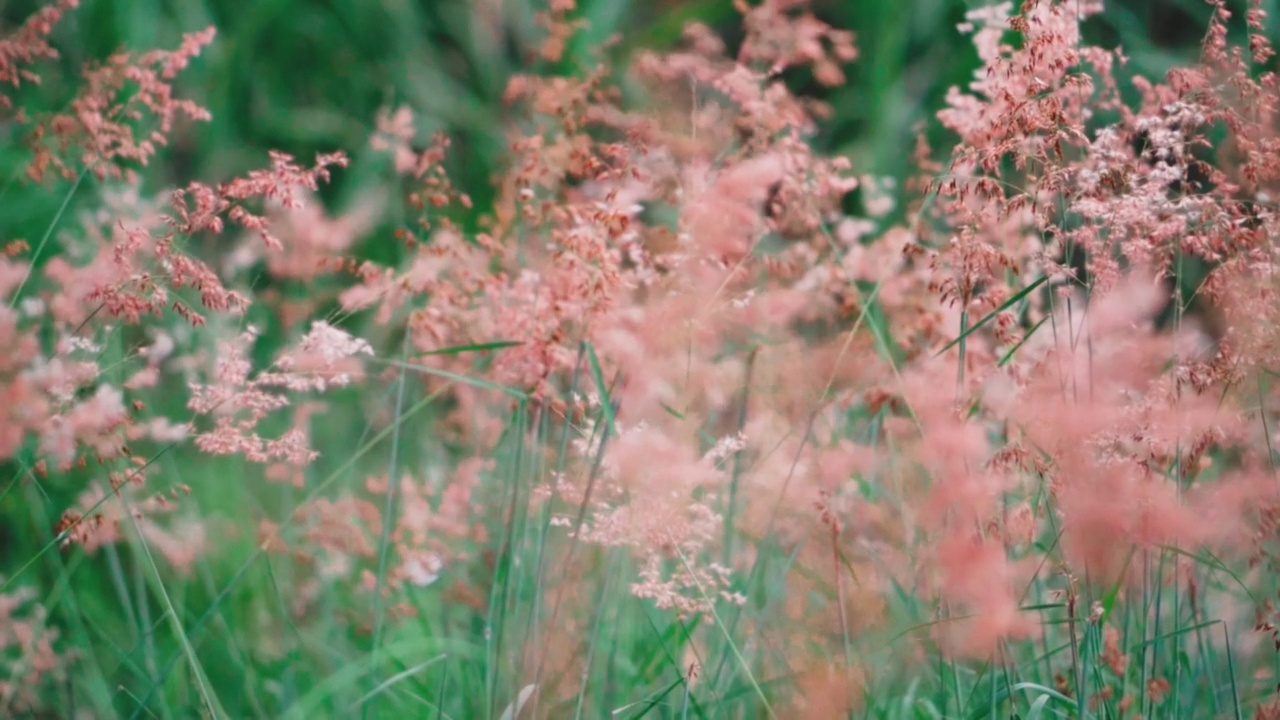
(475, 347)
(1018, 296)
(1037, 707)
(522, 698)
(601, 388)
(474, 382)
(1004, 359)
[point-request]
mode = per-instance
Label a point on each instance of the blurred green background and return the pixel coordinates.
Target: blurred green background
(309, 75)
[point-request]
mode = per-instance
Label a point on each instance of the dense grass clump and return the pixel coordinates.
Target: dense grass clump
(741, 359)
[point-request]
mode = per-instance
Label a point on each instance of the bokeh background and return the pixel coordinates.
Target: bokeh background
(308, 76)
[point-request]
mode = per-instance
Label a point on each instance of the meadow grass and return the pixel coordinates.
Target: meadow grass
(535, 608)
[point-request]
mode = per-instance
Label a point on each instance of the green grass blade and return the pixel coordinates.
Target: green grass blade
(1013, 300)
